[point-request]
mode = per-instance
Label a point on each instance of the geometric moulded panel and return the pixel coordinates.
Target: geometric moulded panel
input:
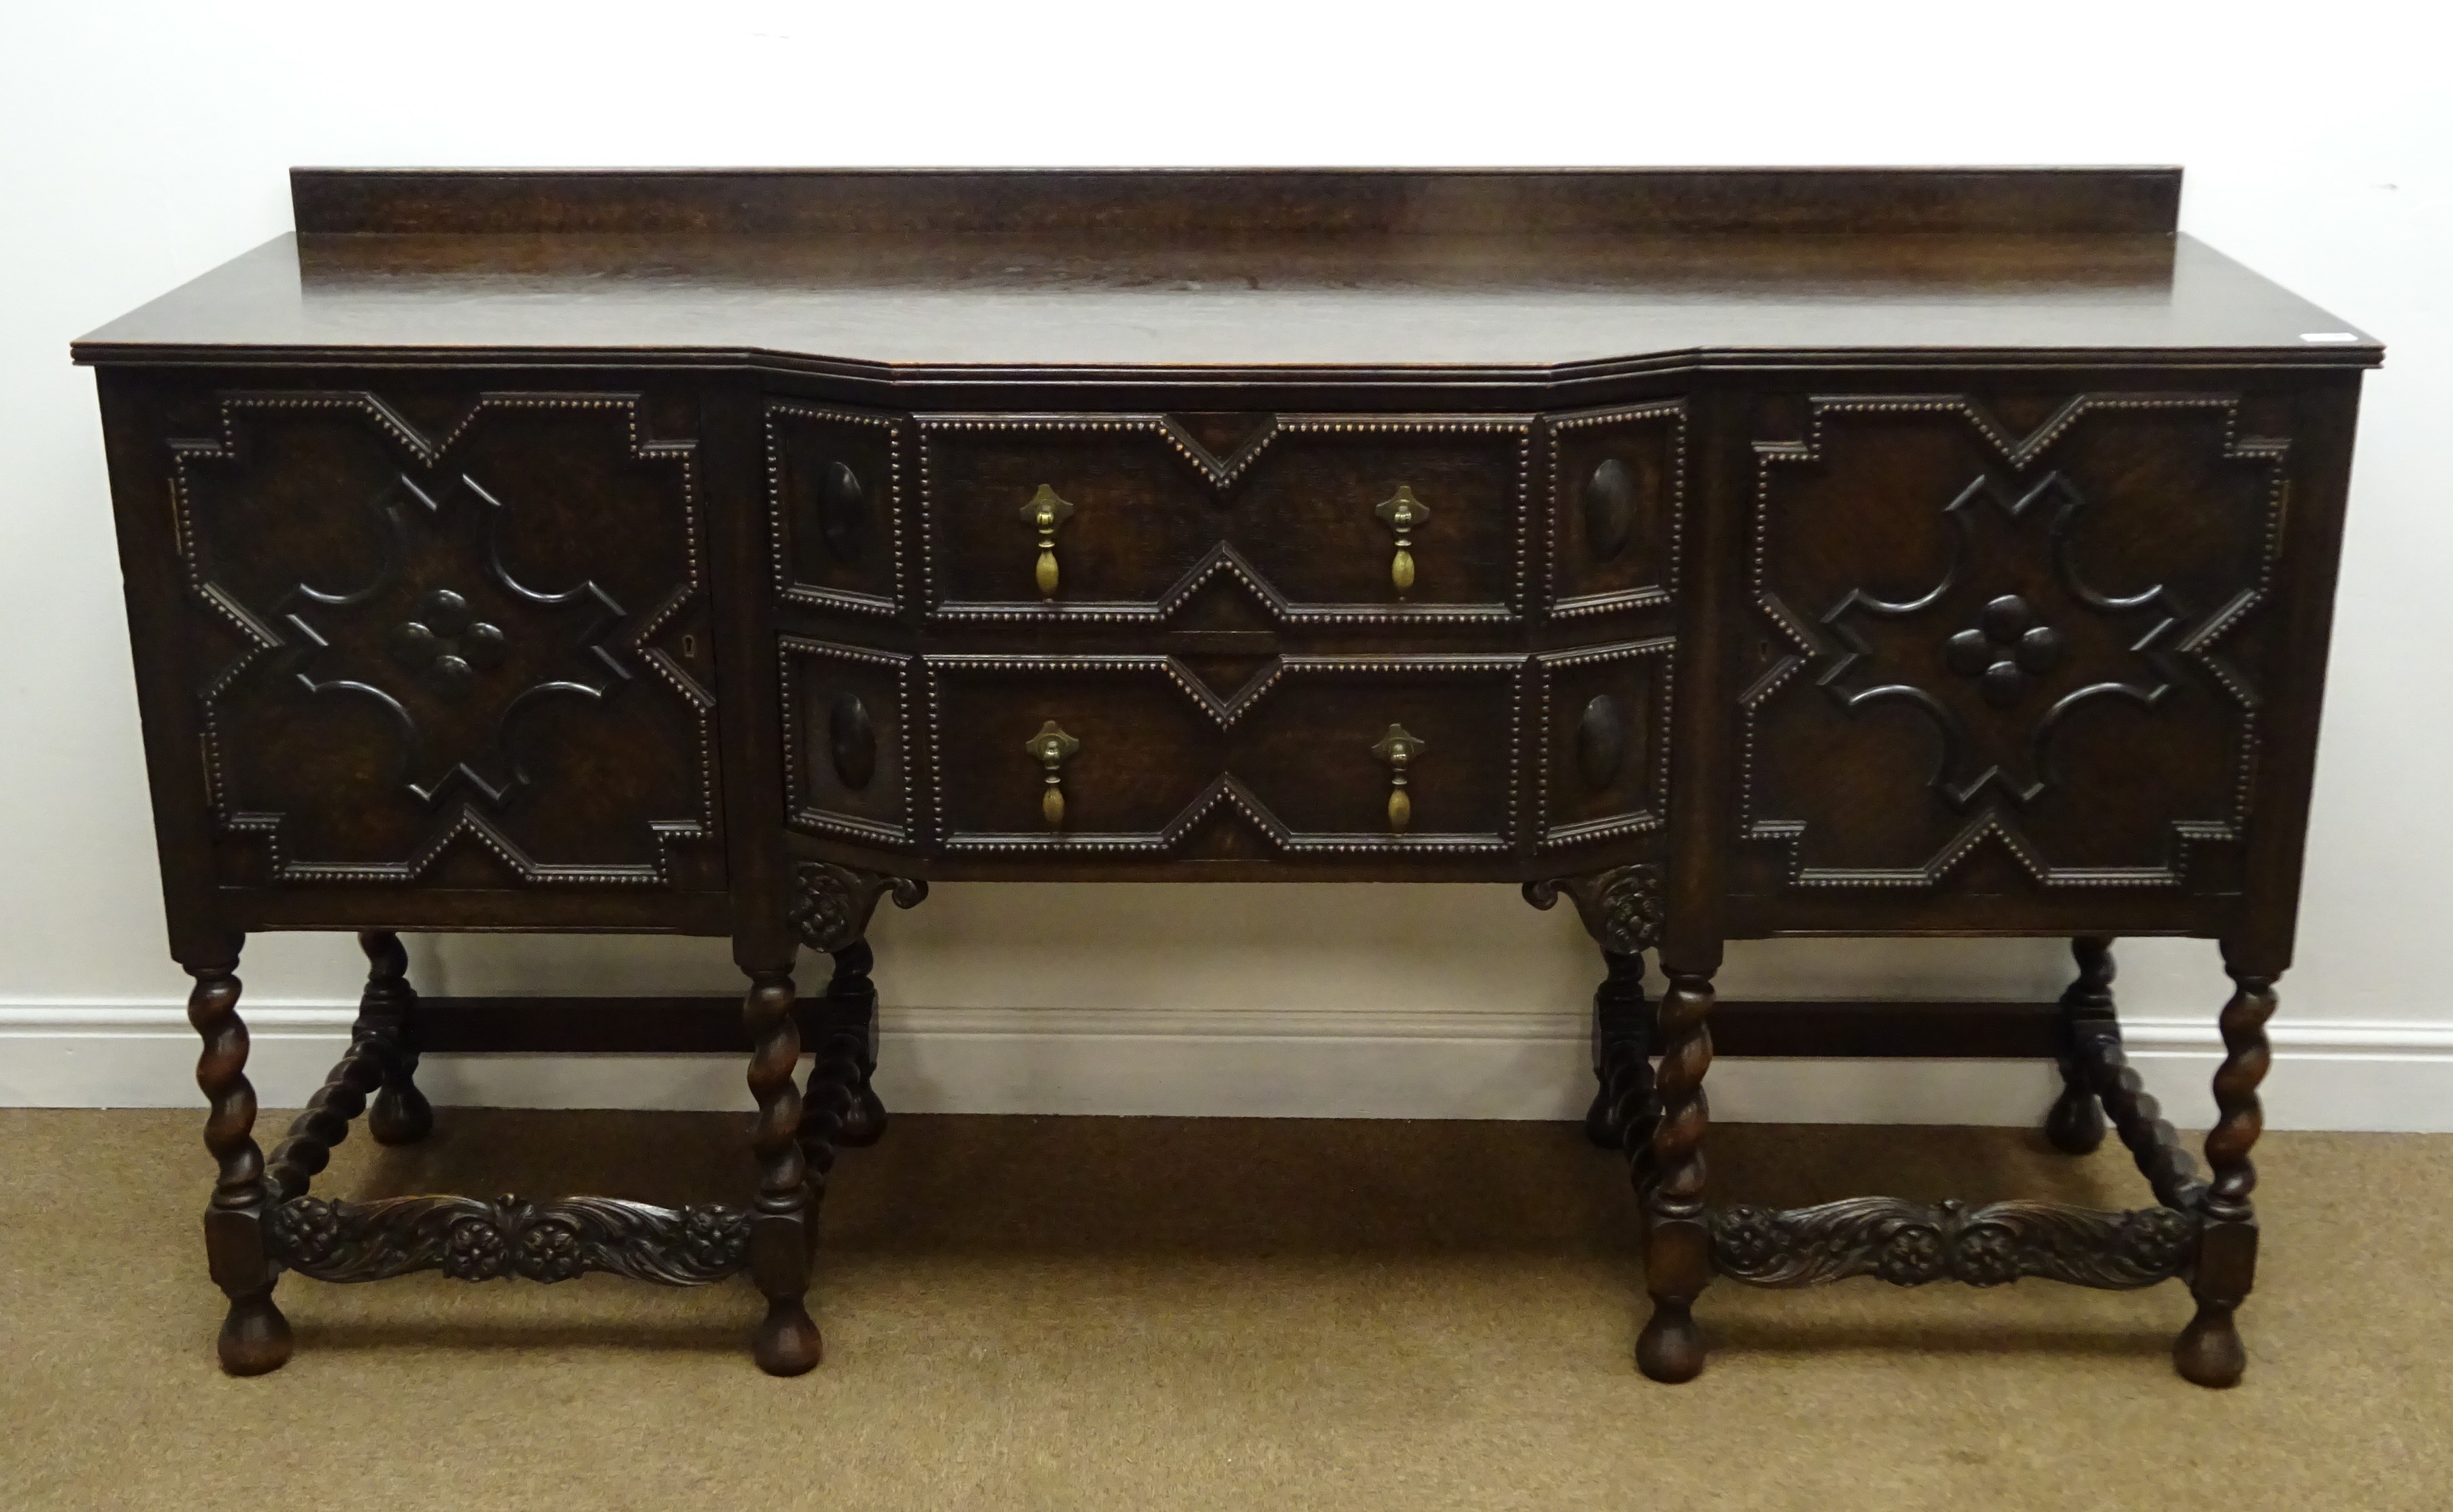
(845, 719)
(833, 480)
(478, 657)
(2031, 656)
(1604, 770)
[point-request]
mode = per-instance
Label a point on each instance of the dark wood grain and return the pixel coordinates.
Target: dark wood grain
(1129, 203)
(1233, 324)
(1734, 553)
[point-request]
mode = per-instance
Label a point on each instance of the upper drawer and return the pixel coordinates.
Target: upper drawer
(1398, 519)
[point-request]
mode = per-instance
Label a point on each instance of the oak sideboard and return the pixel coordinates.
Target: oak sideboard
(1729, 553)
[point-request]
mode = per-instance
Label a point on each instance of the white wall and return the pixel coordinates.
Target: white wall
(140, 144)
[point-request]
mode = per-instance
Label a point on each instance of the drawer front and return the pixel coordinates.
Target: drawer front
(1309, 519)
(470, 651)
(1604, 764)
(1150, 757)
(846, 718)
(1617, 507)
(2010, 642)
(834, 477)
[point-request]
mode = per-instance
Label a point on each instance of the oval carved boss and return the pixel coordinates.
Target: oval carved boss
(843, 509)
(1601, 742)
(1610, 509)
(851, 736)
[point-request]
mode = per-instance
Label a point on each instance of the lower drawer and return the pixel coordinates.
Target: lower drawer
(1251, 758)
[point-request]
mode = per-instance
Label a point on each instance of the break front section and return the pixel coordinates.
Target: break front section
(1189, 642)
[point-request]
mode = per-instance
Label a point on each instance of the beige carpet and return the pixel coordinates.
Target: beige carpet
(1144, 1314)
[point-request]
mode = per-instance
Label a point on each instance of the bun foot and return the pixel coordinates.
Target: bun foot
(399, 1115)
(787, 1342)
(2076, 1124)
(1600, 1126)
(864, 1123)
(2208, 1351)
(1670, 1350)
(255, 1337)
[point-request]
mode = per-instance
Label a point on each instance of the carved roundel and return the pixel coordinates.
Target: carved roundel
(1609, 509)
(1601, 742)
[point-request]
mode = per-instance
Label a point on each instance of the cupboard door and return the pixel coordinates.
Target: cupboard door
(2011, 642)
(471, 651)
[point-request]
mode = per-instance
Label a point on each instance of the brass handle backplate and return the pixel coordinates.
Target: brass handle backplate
(1044, 513)
(1052, 748)
(1405, 514)
(1396, 749)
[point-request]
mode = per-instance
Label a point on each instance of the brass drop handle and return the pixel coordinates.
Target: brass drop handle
(1044, 513)
(1405, 514)
(1053, 748)
(1396, 749)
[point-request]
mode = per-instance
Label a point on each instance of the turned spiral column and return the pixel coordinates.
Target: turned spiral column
(323, 1122)
(1677, 1243)
(1620, 1115)
(2210, 1350)
(400, 1114)
(847, 1049)
(254, 1336)
(787, 1340)
(2076, 1123)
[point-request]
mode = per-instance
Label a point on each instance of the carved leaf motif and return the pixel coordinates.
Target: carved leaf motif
(471, 1239)
(1909, 1244)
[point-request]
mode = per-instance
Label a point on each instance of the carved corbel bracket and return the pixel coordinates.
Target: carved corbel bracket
(1621, 908)
(831, 905)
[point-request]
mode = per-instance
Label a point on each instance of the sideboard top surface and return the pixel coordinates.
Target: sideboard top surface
(1204, 272)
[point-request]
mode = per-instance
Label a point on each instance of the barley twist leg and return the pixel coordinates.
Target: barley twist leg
(786, 1342)
(254, 1336)
(2210, 1350)
(2076, 1123)
(1677, 1244)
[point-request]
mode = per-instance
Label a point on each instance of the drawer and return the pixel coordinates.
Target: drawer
(1129, 518)
(1287, 755)
(2005, 641)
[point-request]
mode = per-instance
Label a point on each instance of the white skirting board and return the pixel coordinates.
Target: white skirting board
(2379, 1076)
